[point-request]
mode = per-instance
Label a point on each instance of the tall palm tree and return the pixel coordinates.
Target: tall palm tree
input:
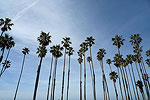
(100, 56)
(118, 42)
(117, 62)
(83, 49)
(4, 44)
(6, 64)
(80, 60)
(128, 61)
(90, 42)
(113, 76)
(24, 51)
(66, 43)
(70, 53)
(44, 40)
(5, 25)
(51, 51)
(57, 53)
(140, 85)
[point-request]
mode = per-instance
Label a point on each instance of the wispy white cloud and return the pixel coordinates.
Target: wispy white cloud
(21, 13)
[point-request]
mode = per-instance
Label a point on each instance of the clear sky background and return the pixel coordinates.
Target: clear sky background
(77, 19)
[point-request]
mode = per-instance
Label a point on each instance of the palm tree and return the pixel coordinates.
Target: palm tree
(6, 25)
(70, 53)
(80, 60)
(83, 49)
(56, 52)
(51, 51)
(6, 64)
(118, 42)
(44, 40)
(90, 42)
(100, 56)
(24, 51)
(117, 62)
(66, 43)
(4, 44)
(128, 61)
(148, 53)
(140, 85)
(113, 76)
(148, 62)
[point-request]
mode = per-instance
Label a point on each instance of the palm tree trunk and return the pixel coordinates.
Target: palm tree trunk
(80, 81)
(135, 82)
(84, 78)
(2, 33)
(126, 74)
(68, 80)
(19, 78)
(37, 79)
(125, 80)
(132, 83)
(115, 90)
(53, 92)
(62, 91)
(123, 83)
(120, 84)
(1, 58)
(49, 82)
(92, 78)
(93, 75)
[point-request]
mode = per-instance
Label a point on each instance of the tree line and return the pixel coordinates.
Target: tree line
(126, 84)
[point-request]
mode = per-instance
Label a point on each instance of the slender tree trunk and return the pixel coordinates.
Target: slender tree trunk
(19, 78)
(115, 90)
(80, 81)
(53, 97)
(37, 79)
(125, 80)
(68, 80)
(62, 91)
(1, 57)
(123, 83)
(2, 33)
(92, 78)
(2, 71)
(120, 84)
(49, 82)
(93, 74)
(126, 74)
(84, 78)
(135, 82)
(132, 83)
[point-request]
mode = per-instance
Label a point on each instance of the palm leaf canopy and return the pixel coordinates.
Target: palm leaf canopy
(118, 41)
(100, 54)
(90, 41)
(25, 51)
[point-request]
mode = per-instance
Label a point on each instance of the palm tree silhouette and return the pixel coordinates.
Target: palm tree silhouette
(90, 42)
(70, 53)
(25, 51)
(80, 60)
(6, 25)
(6, 64)
(83, 49)
(140, 85)
(113, 76)
(44, 40)
(57, 53)
(100, 56)
(66, 43)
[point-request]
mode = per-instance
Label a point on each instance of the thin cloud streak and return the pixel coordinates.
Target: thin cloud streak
(21, 13)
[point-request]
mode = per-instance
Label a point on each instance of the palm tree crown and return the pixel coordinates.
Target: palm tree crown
(70, 51)
(25, 51)
(113, 76)
(56, 51)
(100, 54)
(118, 41)
(118, 60)
(90, 41)
(108, 61)
(148, 53)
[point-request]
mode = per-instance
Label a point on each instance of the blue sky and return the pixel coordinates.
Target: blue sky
(102, 19)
